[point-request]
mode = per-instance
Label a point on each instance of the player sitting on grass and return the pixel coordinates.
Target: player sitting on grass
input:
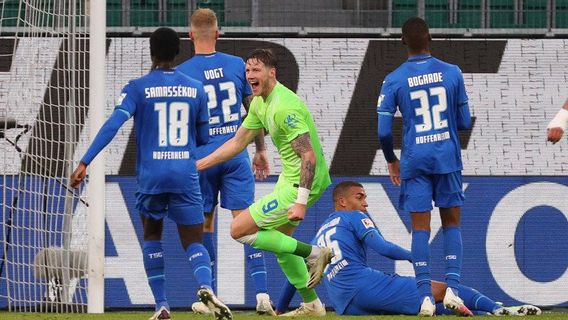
(354, 288)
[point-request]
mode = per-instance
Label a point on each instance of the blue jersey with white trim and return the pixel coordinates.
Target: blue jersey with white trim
(170, 118)
(344, 233)
(428, 93)
(224, 81)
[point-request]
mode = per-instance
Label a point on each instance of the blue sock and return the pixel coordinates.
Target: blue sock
(209, 244)
(453, 254)
(286, 295)
(421, 263)
(474, 300)
(154, 266)
(441, 310)
(200, 263)
(257, 268)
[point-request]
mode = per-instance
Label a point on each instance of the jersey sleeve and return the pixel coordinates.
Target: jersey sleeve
(252, 121)
(386, 104)
(462, 94)
(292, 121)
(202, 125)
(362, 225)
(127, 101)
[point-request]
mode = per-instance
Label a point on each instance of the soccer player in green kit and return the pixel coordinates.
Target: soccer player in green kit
(269, 223)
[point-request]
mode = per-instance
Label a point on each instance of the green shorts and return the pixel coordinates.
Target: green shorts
(271, 211)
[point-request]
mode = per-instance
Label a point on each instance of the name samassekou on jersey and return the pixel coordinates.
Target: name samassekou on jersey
(170, 91)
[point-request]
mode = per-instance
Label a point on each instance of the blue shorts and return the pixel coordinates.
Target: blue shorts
(416, 194)
(385, 294)
(182, 208)
(233, 179)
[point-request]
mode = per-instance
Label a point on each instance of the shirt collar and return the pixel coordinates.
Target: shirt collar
(420, 57)
(272, 93)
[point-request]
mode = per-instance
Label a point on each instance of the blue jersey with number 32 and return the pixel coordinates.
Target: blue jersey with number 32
(223, 77)
(428, 93)
(169, 108)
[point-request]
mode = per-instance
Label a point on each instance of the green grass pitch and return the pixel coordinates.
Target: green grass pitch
(238, 315)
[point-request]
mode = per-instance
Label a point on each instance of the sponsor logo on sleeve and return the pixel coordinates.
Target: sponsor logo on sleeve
(368, 223)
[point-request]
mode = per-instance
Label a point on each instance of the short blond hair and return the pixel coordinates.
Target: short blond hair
(203, 23)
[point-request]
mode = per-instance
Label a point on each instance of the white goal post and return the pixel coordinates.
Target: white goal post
(52, 103)
(96, 186)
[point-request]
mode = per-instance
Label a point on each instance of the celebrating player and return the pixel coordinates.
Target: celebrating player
(268, 223)
(356, 289)
(171, 119)
(431, 97)
(558, 124)
(223, 78)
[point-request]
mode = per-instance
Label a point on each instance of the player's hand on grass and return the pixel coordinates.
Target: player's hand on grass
(78, 175)
(394, 172)
(554, 134)
(260, 165)
(297, 212)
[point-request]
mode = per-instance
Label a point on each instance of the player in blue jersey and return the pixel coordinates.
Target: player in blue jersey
(171, 119)
(223, 78)
(431, 97)
(356, 289)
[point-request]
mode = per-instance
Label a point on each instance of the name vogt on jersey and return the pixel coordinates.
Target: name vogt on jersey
(213, 73)
(425, 79)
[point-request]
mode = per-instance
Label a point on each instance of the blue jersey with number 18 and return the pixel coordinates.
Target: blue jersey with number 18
(223, 77)
(170, 119)
(428, 93)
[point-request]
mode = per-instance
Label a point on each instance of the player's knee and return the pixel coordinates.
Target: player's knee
(244, 238)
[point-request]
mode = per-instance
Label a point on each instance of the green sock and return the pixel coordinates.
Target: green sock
(275, 241)
(308, 295)
(303, 249)
(296, 271)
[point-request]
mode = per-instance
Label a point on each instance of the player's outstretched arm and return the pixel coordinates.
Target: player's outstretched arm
(303, 147)
(229, 149)
(260, 163)
(557, 126)
(386, 248)
(385, 120)
(103, 138)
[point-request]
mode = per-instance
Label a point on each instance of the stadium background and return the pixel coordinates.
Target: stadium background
(514, 220)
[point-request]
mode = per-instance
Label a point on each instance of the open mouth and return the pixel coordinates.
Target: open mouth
(255, 85)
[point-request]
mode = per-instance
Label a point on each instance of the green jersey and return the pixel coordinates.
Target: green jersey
(284, 116)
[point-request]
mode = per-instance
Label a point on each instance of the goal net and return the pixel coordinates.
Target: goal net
(44, 81)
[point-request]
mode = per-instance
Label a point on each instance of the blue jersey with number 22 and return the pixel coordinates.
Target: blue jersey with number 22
(223, 77)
